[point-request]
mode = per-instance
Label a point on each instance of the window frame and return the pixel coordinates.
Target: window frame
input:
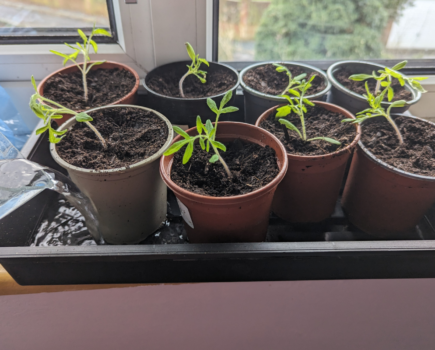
(60, 35)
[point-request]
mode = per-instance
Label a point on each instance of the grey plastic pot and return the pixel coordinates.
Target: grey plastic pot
(354, 102)
(184, 110)
(256, 103)
(130, 202)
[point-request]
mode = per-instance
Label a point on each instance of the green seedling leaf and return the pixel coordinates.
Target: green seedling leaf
(34, 85)
(190, 51)
(208, 146)
(41, 130)
(348, 120)
(400, 103)
(360, 77)
(229, 110)
(176, 146)
(83, 117)
(212, 133)
(199, 125)
(101, 31)
(226, 99)
(56, 116)
(400, 65)
(208, 126)
(308, 102)
(59, 133)
(212, 105)
(181, 132)
(188, 152)
(283, 111)
(300, 77)
(203, 60)
(202, 144)
(294, 92)
(83, 36)
(219, 145)
(417, 86)
(390, 93)
(290, 126)
(202, 80)
(327, 139)
(94, 45)
(419, 78)
(214, 158)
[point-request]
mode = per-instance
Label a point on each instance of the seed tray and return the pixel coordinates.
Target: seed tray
(330, 250)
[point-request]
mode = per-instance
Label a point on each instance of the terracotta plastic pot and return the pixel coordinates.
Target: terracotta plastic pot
(242, 218)
(128, 99)
(256, 102)
(382, 200)
(131, 202)
(312, 184)
(354, 102)
(184, 110)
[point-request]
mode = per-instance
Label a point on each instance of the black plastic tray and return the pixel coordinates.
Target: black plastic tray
(331, 250)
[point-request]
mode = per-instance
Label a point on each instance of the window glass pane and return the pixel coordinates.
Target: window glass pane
(325, 29)
(31, 17)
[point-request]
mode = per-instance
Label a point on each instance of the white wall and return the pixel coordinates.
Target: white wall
(327, 315)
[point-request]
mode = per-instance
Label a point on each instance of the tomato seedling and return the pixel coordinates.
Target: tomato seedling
(193, 68)
(292, 81)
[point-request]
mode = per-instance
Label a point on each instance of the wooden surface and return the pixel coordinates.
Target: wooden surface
(9, 287)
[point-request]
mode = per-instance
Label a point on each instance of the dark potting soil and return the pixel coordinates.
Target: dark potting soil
(319, 122)
(217, 81)
(252, 166)
(416, 155)
(104, 87)
(342, 75)
(132, 135)
(267, 80)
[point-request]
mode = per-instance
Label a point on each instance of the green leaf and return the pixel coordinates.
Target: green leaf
(226, 98)
(300, 77)
(175, 147)
(212, 105)
(400, 65)
(208, 125)
(83, 36)
(219, 145)
(203, 60)
(208, 146)
(59, 54)
(348, 120)
(400, 103)
(360, 77)
(229, 110)
(199, 125)
(190, 51)
(52, 137)
(60, 133)
(419, 78)
(390, 93)
(283, 111)
(188, 152)
(327, 139)
(32, 79)
(212, 133)
(94, 45)
(56, 116)
(214, 158)
(290, 126)
(202, 80)
(201, 142)
(294, 92)
(83, 117)
(181, 132)
(72, 47)
(101, 31)
(41, 130)
(308, 102)
(416, 85)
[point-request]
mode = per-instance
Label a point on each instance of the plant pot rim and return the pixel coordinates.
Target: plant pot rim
(282, 99)
(224, 200)
(341, 110)
(333, 68)
(63, 69)
(130, 168)
(233, 89)
(395, 170)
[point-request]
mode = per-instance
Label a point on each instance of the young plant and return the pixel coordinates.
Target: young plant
(84, 49)
(206, 135)
(299, 108)
(386, 77)
(292, 81)
(376, 110)
(193, 68)
(47, 113)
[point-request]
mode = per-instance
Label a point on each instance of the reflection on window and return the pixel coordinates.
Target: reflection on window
(29, 17)
(325, 29)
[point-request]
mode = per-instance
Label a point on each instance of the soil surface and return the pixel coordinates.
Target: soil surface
(218, 81)
(104, 87)
(267, 80)
(416, 155)
(319, 122)
(400, 93)
(132, 135)
(251, 166)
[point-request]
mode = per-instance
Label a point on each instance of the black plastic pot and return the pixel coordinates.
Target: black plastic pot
(183, 111)
(256, 103)
(354, 102)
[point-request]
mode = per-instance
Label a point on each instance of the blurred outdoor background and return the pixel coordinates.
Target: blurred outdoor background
(21, 16)
(326, 29)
